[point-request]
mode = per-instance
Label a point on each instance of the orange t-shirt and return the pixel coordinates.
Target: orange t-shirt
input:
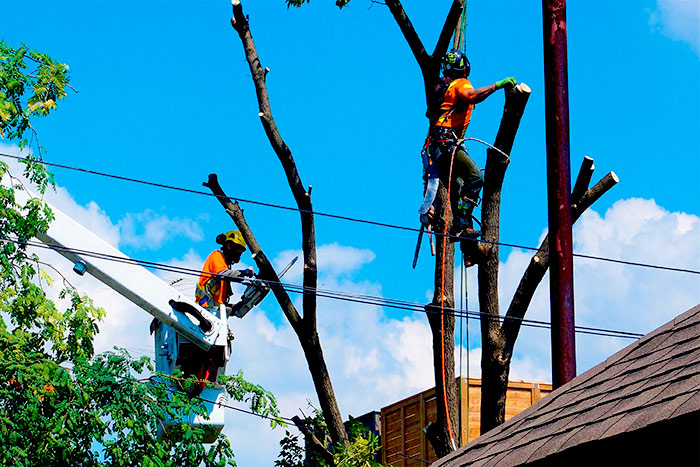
(209, 287)
(456, 114)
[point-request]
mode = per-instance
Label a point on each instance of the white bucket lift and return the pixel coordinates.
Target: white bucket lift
(187, 336)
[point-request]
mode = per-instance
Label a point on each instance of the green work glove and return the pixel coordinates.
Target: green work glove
(506, 82)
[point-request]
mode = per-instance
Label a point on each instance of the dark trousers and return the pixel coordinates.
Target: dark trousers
(467, 178)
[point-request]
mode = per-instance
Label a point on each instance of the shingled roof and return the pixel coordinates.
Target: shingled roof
(642, 398)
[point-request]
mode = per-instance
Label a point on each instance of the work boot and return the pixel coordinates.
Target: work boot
(462, 225)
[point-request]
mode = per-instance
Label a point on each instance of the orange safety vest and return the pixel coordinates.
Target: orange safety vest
(456, 114)
(212, 291)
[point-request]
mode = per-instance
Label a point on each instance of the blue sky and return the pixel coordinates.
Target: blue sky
(165, 95)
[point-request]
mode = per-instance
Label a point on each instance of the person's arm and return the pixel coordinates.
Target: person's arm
(474, 96)
(236, 274)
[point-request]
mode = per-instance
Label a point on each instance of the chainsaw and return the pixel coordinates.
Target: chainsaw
(255, 292)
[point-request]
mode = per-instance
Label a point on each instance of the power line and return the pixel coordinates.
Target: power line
(237, 409)
(337, 216)
(338, 295)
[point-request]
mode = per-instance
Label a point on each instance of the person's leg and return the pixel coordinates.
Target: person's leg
(466, 169)
(466, 182)
(469, 180)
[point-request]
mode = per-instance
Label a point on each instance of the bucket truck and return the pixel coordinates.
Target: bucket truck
(187, 336)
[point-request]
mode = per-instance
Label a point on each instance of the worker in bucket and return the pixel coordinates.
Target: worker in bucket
(449, 113)
(214, 285)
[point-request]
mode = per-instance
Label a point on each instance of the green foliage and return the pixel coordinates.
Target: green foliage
(261, 402)
(291, 454)
(60, 404)
(31, 84)
(364, 445)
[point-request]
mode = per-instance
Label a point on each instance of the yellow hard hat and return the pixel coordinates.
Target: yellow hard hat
(231, 236)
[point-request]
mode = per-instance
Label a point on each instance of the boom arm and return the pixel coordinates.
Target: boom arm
(140, 286)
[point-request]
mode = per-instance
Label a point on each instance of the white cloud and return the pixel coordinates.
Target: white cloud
(333, 260)
(143, 230)
(91, 216)
(186, 280)
(150, 230)
(678, 19)
(616, 296)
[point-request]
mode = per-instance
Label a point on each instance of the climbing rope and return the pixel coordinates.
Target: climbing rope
(461, 321)
(460, 40)
(466, 304)
(463, 29)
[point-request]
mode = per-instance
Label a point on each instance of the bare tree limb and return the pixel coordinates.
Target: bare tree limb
(583, 179)
(592, 195)
(284, 154)
(540, 261)
(448, 29)
(267, 272)
(409, 33)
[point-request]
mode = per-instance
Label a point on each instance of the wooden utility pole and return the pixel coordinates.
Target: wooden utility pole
(559, 192)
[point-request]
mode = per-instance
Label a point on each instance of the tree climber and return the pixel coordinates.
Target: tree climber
(214, 286)
(449, 112)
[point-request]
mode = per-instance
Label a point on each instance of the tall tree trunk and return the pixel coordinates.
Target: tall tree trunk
(305, 327)
(441, 324)
(499, 346)
(443, 434)
(494, 370)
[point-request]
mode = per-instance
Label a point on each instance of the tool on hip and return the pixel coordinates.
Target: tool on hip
(420, 237)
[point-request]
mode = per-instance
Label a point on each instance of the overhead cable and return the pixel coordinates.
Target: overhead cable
(337, 216)
(337, 295)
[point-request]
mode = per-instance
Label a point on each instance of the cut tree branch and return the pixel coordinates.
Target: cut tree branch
(448, 28)
(267, 272)
(409, 33)
(539, 263)
(583, 179)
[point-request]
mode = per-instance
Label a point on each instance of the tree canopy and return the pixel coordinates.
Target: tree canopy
(60, 403)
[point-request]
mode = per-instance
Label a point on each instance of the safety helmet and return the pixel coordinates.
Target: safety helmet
(231, 236)
(456, 63)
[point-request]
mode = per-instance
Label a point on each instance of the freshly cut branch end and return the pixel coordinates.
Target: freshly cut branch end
(522, 87)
